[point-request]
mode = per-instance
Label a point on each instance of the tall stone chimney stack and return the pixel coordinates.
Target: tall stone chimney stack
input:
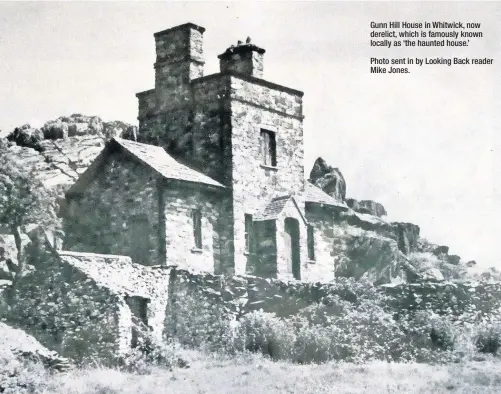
(179, 59)
(244, 59)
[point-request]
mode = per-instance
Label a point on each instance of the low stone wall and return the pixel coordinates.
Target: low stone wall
(242, 294)
(76, 303)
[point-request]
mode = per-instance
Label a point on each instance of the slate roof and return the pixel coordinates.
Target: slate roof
(157, 158)
(314, 194)
(154, 157)
(274, 208)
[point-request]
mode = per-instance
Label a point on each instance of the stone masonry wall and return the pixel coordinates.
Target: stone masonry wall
(284, 267)
(254, 107)
(147, 103)
(179, 203)
(243, 294)
(76, 303)
(103, 219)
(322, 269)
(264, 262)
(211, 131)
(65, 312)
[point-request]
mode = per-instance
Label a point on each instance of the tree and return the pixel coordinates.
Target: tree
(24, 200)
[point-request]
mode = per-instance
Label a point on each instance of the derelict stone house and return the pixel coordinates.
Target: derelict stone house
(215, 181)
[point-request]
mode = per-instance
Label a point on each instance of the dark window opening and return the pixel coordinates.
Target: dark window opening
(139, 309)
(248, 233)
(268, 148)
(311, 243)
(197, 228)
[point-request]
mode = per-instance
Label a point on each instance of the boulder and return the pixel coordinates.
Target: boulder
(119, 129)
(441, 250)
(329, 179)
(26, 136)
(407, 236)
(432, 274)
(425, 246)
(367, 206)
(82, 125)
(54, 130)
(74, 125)
(453, 259)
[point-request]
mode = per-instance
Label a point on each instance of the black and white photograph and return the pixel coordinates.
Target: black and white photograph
(238, 197)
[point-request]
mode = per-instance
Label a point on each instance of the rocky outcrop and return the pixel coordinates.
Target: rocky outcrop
(369, 223)
(367, 254)
(63, 148)
(10, 266)
(80, 125)
(367, 206)
(329, 179)
(407, 236)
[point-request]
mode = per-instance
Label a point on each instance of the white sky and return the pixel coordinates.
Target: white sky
(425, 144)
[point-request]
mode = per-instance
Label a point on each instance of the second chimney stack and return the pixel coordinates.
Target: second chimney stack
(244, 59)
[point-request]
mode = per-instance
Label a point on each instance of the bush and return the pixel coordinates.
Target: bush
(488, 338)
(152, 353)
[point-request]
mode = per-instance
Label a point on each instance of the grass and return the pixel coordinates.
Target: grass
(251, 373)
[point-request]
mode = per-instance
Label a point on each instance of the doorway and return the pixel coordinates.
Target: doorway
(292, 253)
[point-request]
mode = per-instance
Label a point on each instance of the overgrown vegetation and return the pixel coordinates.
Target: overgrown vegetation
(355, 325)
